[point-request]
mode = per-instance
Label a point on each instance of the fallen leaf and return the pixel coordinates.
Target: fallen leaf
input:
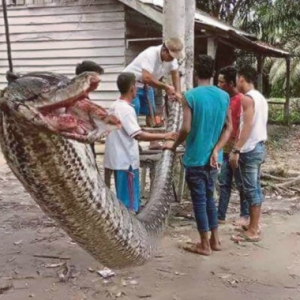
(54, 265)
(18, 242)
(106, 273)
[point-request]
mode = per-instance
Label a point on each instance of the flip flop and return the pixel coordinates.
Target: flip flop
(244, 228)
(193, 248)
(242, 237)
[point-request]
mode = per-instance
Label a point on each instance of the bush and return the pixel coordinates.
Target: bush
(276, 112)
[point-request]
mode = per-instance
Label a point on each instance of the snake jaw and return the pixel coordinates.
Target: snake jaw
(60, 106)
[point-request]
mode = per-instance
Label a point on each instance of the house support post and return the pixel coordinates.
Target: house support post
(260, 62)
(190, 9)
(212, 46)
(288, 91)
(4, 8)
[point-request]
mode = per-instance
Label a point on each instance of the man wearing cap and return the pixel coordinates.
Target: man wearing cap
(149, 67)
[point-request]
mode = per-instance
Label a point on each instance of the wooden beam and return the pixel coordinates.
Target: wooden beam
(212, 46)
(288, 91)
(145, 10)
(276, 102)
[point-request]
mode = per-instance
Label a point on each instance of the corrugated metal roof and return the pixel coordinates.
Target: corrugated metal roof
(153, 9)
(204, 18)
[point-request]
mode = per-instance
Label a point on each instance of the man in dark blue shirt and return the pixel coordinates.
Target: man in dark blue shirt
(206, 127)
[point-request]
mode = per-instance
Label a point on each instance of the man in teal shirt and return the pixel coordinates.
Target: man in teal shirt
(206, 127)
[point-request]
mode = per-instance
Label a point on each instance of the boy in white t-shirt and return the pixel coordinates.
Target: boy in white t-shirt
(121, 150)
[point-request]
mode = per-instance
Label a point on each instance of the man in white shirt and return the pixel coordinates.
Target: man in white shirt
(249, 151)
(149, 67)
(121, 149)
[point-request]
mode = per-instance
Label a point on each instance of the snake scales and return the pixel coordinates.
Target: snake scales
(62, 177)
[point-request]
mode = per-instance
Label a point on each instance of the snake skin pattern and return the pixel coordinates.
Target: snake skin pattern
(62, 177)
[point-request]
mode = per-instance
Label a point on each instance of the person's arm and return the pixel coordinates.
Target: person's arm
(147, 136)
(248, 113)
(176, 80)
(149, 79)
(225, 135)
(185, 127)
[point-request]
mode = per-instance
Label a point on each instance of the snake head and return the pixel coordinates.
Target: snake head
(59, 105)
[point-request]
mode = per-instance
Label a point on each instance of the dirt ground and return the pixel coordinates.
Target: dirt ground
(267, 270)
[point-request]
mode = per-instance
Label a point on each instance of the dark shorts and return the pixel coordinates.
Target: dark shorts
(144, 101)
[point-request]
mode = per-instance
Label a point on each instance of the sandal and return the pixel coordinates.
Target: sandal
(242, 237)
(244, 228)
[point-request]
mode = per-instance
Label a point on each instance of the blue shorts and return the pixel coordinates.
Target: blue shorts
(141, 101)
(128, 188)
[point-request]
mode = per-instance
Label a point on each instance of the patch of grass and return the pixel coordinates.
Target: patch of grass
(276, 112)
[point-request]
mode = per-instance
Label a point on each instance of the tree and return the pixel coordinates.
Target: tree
(190, 7)
(230, 11)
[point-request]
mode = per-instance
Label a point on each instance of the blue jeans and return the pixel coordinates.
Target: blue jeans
(201, 183)
(225, 182)
(141, 101)
(249, 166)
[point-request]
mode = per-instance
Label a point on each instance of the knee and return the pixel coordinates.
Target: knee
(253, 197)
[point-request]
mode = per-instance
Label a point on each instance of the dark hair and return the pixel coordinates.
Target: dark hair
(125, 81)
(205, 66)
(249, 73)
(229, 74)
(88, 66)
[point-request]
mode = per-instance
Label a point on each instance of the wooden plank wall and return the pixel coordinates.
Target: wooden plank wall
(140, 27)
(56, 36)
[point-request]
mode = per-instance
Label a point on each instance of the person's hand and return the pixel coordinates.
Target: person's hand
(175, 97)
(170, 90)
(214, 159)
(234, 160)
(171, 136)
(168, 145)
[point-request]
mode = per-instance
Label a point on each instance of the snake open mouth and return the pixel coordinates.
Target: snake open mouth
(63, 105)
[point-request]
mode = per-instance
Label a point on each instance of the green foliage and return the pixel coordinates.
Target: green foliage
(276, 68)
(276, 111)
(274, 21)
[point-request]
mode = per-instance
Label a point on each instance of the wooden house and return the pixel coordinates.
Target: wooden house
(55, 35)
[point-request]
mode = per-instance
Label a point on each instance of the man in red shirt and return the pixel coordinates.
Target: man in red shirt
(227, 82)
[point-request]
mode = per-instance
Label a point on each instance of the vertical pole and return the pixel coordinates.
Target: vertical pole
(288, 91)
(190, 9)
(174, 26)
(212, 46)
(4, 7)
(260, 73)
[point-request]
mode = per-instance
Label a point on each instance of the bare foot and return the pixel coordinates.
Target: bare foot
(215, 245)
(198, 249)
(241, 222)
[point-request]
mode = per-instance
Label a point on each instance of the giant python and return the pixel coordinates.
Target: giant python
(57, 168)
